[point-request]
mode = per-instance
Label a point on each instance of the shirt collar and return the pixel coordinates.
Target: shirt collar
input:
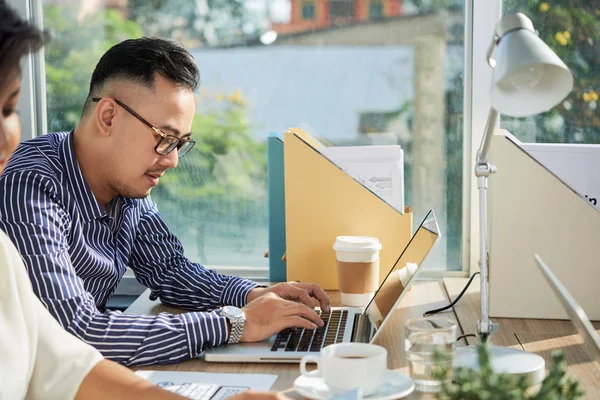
(89, 208)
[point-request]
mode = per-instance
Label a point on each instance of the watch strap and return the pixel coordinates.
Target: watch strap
(236, 323)
(237, 328)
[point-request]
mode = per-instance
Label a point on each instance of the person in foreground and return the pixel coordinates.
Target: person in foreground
(38, 358)
(77, 206)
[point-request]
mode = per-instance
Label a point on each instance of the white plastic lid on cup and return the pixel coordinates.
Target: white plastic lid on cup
(357, 248)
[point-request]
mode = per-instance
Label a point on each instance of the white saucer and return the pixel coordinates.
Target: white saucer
(395, 386)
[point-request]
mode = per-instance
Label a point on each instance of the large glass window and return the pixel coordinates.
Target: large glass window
(369, 81)
(572, 29)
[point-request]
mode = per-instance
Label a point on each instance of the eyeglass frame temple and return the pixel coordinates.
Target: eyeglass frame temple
(149, 125)
(138, 116)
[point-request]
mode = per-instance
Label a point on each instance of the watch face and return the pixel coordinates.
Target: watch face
(232, 312)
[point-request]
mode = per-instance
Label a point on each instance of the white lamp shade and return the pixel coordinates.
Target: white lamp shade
(529, 78)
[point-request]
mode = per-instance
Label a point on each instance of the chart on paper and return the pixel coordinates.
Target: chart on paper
(379, 168)
(208, 386)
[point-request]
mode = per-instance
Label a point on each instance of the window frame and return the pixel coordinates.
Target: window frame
(484, 17)
(480, 20)
(32, 102)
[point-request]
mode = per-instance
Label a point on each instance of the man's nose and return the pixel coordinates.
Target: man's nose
(170, 160)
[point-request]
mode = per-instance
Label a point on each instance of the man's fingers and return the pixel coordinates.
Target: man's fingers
(294, 320)
(315, 291)
(306, 313)
(293, 308)
(304, 297)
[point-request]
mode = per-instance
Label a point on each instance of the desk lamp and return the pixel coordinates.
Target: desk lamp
(529, 78)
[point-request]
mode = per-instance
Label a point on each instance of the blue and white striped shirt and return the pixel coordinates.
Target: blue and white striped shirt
(76, 253)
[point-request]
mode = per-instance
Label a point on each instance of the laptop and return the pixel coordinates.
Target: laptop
(342, 324)
(576, 313)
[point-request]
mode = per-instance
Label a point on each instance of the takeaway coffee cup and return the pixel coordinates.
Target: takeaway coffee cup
(357, 261)
(346, 366)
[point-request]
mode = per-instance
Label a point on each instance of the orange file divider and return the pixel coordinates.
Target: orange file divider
(322, 202)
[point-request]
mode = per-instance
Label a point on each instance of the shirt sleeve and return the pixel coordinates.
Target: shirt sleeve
(39, 225)
(48, 363)
(159, 263)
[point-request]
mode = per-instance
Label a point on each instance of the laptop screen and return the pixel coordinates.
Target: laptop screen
(404, 270)
(574, 310)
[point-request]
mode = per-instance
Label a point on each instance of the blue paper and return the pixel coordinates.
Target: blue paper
(276, 203)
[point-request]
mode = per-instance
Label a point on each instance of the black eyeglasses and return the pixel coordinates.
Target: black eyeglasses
(166, 143)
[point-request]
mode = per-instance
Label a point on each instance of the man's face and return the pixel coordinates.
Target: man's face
(136, 167)
(10, 127)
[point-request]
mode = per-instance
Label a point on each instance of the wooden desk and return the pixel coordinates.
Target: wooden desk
(537, 336)
(423, 296)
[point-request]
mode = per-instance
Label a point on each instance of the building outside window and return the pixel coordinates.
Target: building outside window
(375, 9)
(309, 11)
(341, 9)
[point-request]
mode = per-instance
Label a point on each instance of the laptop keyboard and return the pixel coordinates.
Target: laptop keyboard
(313, 340)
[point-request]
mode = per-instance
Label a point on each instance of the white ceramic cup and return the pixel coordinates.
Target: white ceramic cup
(352, 252)
(346, 366)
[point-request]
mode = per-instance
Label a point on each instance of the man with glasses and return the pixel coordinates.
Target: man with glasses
(77, 206)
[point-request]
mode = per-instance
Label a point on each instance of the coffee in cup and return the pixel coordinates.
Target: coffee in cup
(346, 366)
(357, 261)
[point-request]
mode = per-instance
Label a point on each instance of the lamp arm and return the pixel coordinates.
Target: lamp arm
(486, 140)
(483, 169)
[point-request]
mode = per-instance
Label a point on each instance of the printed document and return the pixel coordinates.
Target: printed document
(208, 386)
(573, 163)
(379, 168)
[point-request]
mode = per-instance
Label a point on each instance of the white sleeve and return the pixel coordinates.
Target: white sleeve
(42, 359)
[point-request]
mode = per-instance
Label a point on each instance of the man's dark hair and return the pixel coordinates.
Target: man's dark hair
(138, 60)
(17, 38)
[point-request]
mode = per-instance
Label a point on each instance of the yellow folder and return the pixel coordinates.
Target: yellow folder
(322, 202)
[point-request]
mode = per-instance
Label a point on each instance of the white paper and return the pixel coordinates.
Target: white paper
(576, 165)
(379, 168)
(259, 382)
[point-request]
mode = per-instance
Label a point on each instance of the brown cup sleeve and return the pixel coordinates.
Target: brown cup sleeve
(358, 277)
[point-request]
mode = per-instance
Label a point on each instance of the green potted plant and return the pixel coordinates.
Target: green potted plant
(487, 385)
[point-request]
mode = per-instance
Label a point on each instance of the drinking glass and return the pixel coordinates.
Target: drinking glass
(429, 345)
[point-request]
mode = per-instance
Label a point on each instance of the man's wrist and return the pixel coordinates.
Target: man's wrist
(254, 293)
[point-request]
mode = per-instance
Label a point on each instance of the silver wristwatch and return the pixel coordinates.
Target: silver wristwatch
(237, 318)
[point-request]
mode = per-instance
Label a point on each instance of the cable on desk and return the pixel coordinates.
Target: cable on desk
(466, 335)
(437, 310)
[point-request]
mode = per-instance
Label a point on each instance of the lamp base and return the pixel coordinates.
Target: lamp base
(504, 360)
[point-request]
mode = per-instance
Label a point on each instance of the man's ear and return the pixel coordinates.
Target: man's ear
(104, 115)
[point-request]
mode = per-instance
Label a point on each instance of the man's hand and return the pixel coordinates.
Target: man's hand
(295, 291)
(270, 314)
(252, 395)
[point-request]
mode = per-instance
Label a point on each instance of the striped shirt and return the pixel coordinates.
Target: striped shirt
(76, 253)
